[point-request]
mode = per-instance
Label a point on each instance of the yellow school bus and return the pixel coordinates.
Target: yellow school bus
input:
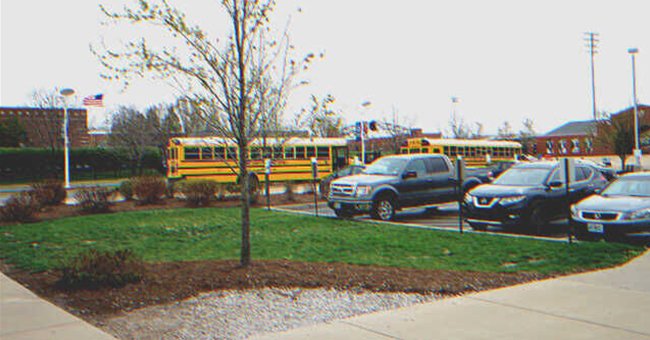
(216, 158)
(475, 152)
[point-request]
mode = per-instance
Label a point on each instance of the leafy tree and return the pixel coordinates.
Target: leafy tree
(12, 133)
(616, 134)
(223, 78)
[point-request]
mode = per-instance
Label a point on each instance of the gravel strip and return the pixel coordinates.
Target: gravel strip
(240, 314)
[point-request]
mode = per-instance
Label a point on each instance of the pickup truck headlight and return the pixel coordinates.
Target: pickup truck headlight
(363, 190)
(574, 212)
(643, 214)
(468, 198)
(511, 200)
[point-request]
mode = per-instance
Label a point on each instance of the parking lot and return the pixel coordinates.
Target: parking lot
(445, 217)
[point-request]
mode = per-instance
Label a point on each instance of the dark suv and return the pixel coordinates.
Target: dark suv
(528, 196)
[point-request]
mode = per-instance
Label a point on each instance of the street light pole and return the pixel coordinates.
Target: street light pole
(362, 134)
(66, 140)
(637, 150)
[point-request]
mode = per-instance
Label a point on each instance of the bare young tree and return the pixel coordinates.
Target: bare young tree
(505, 131)
(397, 129)
(527, 135)
(458, 128)
(133, 132)
(222, 78)
(320, 119)
(49, 128)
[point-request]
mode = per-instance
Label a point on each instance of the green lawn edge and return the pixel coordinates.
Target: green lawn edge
(215, 233)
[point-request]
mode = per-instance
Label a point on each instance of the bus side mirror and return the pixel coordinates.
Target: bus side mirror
(409, 174)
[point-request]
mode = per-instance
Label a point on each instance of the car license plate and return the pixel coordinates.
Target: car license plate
(595, 228)
(337, 205)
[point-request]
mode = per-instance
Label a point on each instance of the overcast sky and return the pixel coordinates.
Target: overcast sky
(504, 60)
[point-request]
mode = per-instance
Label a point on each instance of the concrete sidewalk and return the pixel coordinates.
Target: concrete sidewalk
(609, 304)
(23, 315)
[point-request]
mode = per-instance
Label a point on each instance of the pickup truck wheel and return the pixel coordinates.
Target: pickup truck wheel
(383, 208)
(343, 213)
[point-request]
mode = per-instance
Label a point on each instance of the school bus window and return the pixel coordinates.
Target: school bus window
(446, 148)
(452, 151)
(323, 152)
(405, 151)
(289, 153)
(277, 152)
(219, 153)
(256, 153)
(192, 153)
(436, 150)
(300, 152)
(424, 150)
(414, 150)
(311, 151)
(232, 153)
(206, 153)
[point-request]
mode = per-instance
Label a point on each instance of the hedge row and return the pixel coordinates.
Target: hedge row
(36, 163)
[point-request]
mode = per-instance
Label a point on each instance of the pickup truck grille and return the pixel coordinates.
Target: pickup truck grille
(342, 190)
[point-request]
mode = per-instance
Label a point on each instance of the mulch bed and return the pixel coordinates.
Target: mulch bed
(169, 282)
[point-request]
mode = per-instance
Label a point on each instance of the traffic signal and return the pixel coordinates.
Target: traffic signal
(372, 125)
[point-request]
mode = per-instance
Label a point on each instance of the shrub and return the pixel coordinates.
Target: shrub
(94, 200)
(148, 189)
(95, 269)
(199, 193)
(126, 190)
(20, 208)
(49, 192)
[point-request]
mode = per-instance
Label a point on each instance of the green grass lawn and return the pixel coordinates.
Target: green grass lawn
(214, 233)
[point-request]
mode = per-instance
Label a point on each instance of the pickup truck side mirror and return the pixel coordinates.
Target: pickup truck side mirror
(409, 174)
(555, 184)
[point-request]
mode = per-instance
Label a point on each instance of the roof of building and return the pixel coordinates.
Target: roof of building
(580, 128)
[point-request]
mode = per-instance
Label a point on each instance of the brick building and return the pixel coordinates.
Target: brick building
(578, 138)
(44, 126)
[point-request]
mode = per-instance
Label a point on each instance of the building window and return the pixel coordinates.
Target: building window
(562, 145)
(549, 147)
(575, 145)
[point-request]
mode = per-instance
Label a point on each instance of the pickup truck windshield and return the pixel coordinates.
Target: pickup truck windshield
(386, 166)
(522, 177)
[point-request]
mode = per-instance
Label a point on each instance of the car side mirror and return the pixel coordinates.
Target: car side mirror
(555, 184)
(409, 174)
(597, 190)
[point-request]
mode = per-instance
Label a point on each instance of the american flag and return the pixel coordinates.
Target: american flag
(96, 100)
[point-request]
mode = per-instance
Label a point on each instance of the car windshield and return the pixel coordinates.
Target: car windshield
(522, 176)
(386, 166)
(628, 187)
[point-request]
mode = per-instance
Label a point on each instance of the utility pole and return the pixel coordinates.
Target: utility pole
(591, 39)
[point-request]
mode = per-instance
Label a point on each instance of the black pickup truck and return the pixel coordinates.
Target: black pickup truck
(394, 182)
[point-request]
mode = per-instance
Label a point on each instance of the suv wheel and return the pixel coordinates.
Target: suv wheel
(478, 226)
(383, 208)
(536, 221)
